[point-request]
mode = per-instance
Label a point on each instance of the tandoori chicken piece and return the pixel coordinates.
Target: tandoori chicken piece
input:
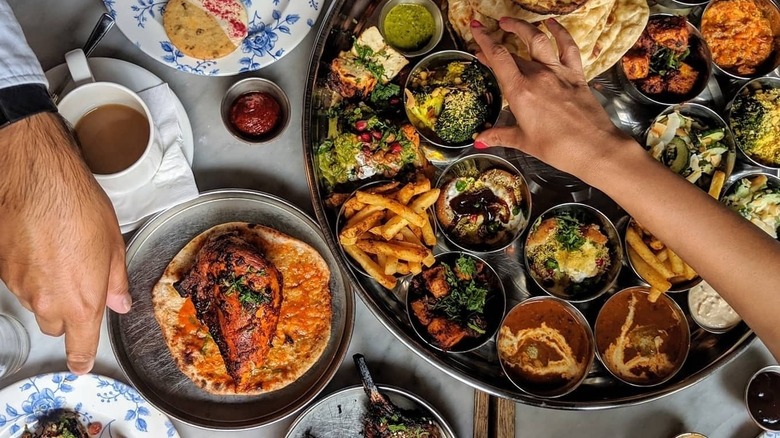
(237, 294)
(446, 333)
(682, 80)
(671, 32)
(636, 64)
(436, 282)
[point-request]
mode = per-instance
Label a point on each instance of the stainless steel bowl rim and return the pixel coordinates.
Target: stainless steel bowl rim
(684, 321)
(637, 94)
(501, 291)
(605, 222)
(278, 93)
(526, 192)
(453, 55)
(730, 74)
(682, 287)
(438, 21)
(578, 315)
(754, 84)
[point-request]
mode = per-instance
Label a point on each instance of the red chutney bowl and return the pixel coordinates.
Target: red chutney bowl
(255, 110)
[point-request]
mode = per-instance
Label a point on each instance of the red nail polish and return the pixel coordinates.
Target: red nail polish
(480, 145)
(476, 23)
(503, 19)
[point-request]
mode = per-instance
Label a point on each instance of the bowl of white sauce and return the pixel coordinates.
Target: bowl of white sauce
(710, 311)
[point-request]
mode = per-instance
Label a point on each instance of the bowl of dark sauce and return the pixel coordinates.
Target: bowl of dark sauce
(763, 398)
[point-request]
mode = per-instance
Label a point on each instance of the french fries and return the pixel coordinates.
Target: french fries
(388, 230)
(656, 263)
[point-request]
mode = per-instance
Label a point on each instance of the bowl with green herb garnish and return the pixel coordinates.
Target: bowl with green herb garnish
(484, 204)
(573, 252)
(457, 304)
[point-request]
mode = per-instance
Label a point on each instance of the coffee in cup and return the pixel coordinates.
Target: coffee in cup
(114, 127)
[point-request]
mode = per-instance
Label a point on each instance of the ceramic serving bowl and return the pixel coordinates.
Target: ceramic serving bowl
(750, 87)
(699, 52)
(495, 304)
(537, 317)
(438, 21)
(771, 11)
(250, 85)
(472, 166)
(441, 59)
(586, 215)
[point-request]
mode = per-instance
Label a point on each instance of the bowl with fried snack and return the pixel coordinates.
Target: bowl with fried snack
(456, 304)
(573, 252)
(386, 231)
(655, 264)
(545, 347)
(641, 342)
(670, 63)
(484, 204)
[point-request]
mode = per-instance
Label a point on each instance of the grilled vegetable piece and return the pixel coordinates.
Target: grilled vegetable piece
(671, 33)
(386, 420)
(237, 294)
(636, 64)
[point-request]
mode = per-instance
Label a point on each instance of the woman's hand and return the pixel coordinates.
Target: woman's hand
(554, 108)
(61, 252)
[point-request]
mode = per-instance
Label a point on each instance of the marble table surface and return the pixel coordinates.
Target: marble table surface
(713, 407)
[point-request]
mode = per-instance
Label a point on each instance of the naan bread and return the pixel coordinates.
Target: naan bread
(595, 27)
(304, 322)
(558, 7)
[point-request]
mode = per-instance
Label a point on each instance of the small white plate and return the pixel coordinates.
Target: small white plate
(275, 28)
(137, 79)
(118, 407)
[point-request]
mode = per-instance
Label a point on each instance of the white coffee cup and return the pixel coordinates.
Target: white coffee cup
(89, 95)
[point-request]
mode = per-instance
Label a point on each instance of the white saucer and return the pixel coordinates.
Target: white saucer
(137, 79)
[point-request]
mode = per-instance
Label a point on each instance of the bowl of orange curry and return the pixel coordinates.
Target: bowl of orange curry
(743, 36)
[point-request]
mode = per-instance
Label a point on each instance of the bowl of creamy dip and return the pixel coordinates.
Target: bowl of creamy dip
(710, 311)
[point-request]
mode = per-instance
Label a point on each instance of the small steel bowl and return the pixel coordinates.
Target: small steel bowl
(441, 59)
(586, 214)
(702, 324)
(771, 369)
(474, 165)
(494, 308)
(573, 384)
(679, 287)
(684, 328)
(699, 51)
(438, 22)
(341, 222)
(764, 83)
(703, 114)
(772, 12)
(250, 85)
(681, 4)
(773, 181)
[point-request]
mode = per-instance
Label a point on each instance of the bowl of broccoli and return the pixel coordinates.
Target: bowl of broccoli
(450, 97)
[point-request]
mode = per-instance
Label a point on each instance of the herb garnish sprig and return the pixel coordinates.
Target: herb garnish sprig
(569, 233)
(466, 301)
(247, 296)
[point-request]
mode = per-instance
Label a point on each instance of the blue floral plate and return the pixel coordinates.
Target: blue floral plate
(118, 407)
(275, 28)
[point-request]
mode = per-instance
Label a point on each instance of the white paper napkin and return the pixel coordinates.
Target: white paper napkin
(173, 183)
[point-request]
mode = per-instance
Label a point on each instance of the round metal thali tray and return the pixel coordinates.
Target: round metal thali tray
(549, 187)
(137, 340)
(341, 413)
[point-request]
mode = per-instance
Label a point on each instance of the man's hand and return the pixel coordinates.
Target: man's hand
(558, 118)
(61, 252)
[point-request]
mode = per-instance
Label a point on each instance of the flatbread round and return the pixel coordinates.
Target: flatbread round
(197, 33)
(603, 29)
(304, 326)
(558, 7)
